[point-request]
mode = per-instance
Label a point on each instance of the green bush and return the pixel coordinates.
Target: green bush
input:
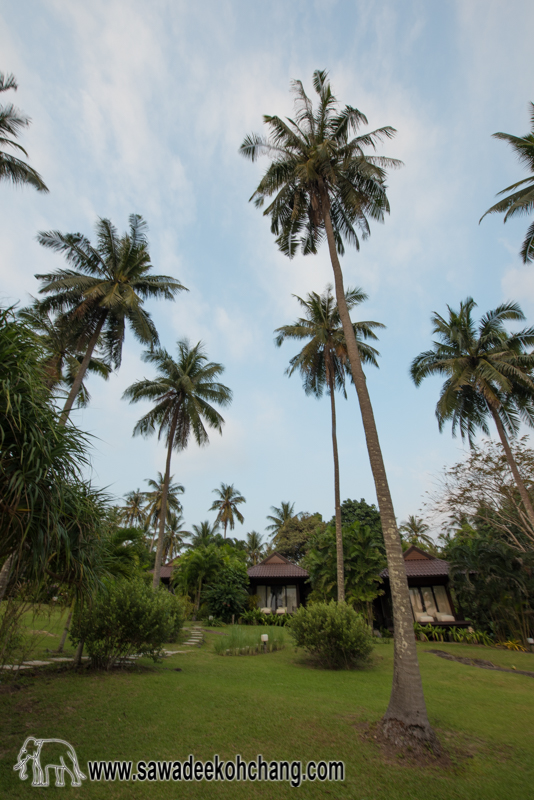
(127, 617)
(334, 634)
(228, 593)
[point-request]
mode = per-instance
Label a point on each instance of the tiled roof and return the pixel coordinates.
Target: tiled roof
(166, 570)
(423, 568)
(277, 571)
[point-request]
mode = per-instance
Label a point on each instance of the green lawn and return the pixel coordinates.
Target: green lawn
(278, 706)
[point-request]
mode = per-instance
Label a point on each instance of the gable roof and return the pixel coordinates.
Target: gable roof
(166, 569)
(276, 566)
(420, 564)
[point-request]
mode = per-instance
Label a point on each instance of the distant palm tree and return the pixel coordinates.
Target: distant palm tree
(60, 340)
(521, 200)
(226, 506)
(104, 289)
(134, 511)
(154, 500)
(414, 531)
(323, 361)
(11, 123)
(204, 534)
(489, 373)
(174, 536)
(254, 547)
(280, 516)
(182, 392)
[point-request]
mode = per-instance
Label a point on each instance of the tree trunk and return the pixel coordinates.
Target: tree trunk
(4, 574)
(66, 629)
(225, 524)
(406, 718)
(513, 466)
(78, 655)
(78, 380)
(163, 513)
(337, 498)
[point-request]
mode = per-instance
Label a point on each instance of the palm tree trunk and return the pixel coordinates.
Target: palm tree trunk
(513, 466)
(164, 495)
(78, 380)
(406, 717)
(337, 499)
(66, 628)
(4, 574)
(225, 524)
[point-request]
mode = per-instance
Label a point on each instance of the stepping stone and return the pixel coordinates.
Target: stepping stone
(36, 663)
(15, 667)
(61, 659)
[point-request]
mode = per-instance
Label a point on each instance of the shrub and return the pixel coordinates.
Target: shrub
(334, 634)
(127, 617)
(228, 594)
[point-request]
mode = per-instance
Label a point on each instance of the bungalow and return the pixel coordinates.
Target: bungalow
(279, 585)
(428, 584)
(166, 571)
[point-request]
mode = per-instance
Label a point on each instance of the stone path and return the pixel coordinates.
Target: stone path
(196, 637)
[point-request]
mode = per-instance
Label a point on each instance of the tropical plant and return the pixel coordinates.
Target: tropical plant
(333, 634)
(204, 534)
(104, 289)
(521, 200)
(255, 547)
(280, 516)
(363, 559)
(325, 187)
(226, 596)
(197, 567)
(182, 392)
(134, 511)
(226, 506)
(62, 357)
(154, 499)
(323, 362)
(174, 536)
(414, 531)
(488, 374)
(11, 124)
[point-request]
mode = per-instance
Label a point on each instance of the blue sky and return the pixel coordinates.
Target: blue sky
(141, 107)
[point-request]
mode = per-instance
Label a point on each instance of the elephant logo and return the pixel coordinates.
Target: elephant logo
(58, 755)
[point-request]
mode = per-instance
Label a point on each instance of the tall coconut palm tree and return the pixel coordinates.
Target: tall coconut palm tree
(62, 358)
(104, 289)
(255, 547)
(11, 124)
(182, 392)
(324, 186)
(521, 200)
(154, 500)
(226, 506)
(323, 361)
(489, 373)
(280, 516)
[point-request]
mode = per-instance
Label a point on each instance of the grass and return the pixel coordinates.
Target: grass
(246, 640)
(284, 709)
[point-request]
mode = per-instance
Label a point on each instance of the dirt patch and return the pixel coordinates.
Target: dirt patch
(478, 662)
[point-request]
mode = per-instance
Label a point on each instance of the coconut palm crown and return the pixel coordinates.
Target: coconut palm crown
(521, 199)
(11, 124)
(105, 288)
(317, 166)
(226, 506)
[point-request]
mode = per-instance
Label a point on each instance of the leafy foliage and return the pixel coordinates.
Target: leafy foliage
(126, 618)
(226, 506)
(294, 535)
(11, 124)
(334, 634)
(227, 594)
(363, 559)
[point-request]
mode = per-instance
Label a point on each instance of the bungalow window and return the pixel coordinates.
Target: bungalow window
(274, 597)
